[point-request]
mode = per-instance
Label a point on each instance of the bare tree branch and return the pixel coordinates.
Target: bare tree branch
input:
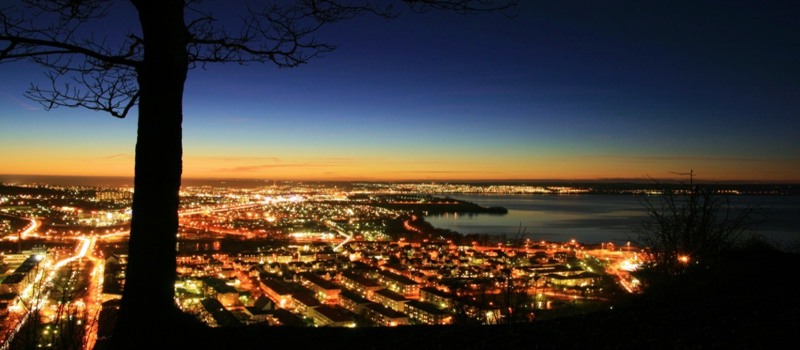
(83, 71)
(460, 6)
(278, 33)
(70, 10)
(113, 91)
(691, 224)
(32, 47)
(87, 72)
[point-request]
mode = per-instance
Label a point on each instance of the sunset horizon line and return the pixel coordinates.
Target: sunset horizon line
(642, 179)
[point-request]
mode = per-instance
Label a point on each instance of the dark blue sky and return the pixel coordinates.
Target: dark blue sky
(564, 89)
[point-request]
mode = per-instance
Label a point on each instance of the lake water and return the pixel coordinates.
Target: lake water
(598, 218)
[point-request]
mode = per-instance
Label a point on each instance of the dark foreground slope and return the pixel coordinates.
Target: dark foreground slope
(750, 302)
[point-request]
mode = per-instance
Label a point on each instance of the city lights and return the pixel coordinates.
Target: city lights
(365, 251)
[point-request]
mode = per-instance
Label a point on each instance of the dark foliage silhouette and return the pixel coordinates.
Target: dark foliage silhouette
(690, 226)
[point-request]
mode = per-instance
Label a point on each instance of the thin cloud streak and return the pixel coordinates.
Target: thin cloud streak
(118, 156)
(278, 164)
(21, 103)
(442, 172)
(652, 159)
(232, 158)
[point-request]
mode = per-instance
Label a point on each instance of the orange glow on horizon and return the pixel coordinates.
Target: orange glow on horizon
(409, 167)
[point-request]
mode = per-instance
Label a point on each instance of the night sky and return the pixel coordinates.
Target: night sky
(562, 90)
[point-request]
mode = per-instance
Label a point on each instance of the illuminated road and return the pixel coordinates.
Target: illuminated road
(86, 244)
(347, 237)
(226, 208)
(93, 298)
(220, 230)
(407, 225)
(619, 264)
(33, 300)
(28, 231)
(18, 313)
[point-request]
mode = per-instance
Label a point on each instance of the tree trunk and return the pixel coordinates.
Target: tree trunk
(148, 309)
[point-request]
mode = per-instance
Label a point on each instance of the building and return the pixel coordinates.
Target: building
(261, 309)
(390, 299)
(331, 316)
(218, 289)
(22, 276)
(383, 316)
(425, 313)
(13, 284)
(219, 314)
(360, 284)
(353, 301)
(586, 279)
(281, 317)
(304, 300)
(278, 291)
(324, 290)
(436, 297)
(399, 284)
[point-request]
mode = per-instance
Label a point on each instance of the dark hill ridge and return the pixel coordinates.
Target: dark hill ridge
(750, 302)
(431, 205)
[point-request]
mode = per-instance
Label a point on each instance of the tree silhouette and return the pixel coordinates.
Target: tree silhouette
(690, 225)
(147, 67)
